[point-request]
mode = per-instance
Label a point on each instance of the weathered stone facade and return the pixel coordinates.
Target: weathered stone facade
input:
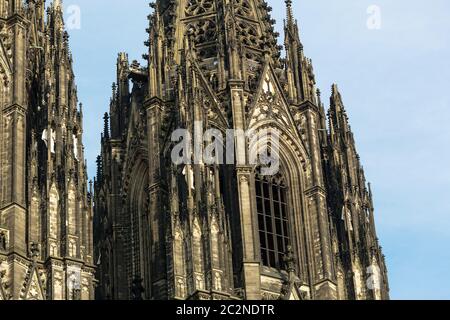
(46, 249)
(199, 231)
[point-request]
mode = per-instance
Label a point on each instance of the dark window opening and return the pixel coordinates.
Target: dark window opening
(272, 220)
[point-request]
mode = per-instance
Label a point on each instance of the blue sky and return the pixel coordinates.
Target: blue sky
(395, 83)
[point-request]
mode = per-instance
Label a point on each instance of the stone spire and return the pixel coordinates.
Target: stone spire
(44, 148)
(229, 40)
(337, 113)
(289, 13)
(299, 69)
(192, 231)
(106, 126)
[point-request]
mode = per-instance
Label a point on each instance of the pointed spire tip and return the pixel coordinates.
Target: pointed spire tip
(290, 14)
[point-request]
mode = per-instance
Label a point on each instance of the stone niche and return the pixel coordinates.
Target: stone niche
(4, 239)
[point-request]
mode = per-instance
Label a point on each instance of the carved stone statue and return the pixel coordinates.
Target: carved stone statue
(137, 290)
(289, 260)
(3, 241)
(34, 250)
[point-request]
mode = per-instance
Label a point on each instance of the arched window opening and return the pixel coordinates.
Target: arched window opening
(271, 200)
(75, 143)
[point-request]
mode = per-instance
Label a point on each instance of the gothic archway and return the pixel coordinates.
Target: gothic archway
(294, 166)
(138, 206)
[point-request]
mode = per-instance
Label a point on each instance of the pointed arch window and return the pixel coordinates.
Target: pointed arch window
(272, 206)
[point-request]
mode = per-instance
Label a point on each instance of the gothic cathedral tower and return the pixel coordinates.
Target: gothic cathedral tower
(46, 247)
(198, 230)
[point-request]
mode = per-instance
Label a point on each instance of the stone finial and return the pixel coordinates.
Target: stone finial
(290, 14)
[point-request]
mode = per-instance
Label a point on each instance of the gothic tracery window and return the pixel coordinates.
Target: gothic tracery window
(243, 8)
(199, 7)
(271, 199)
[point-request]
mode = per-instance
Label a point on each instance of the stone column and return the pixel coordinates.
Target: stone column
(324, 275)
(156, 210)
(251, 261)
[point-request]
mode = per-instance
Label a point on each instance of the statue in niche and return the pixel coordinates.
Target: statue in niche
(218, 281)
(180, 288)
(74, 287)
(34, 250)
(137, 290)
(3, 241)
(289, 260)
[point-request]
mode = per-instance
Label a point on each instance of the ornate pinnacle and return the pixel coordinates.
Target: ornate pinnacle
(290, 15)
(106, 125)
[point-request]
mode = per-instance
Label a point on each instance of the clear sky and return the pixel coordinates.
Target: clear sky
(395, 83)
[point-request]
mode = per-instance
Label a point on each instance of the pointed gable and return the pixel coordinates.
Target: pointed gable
(270, 105)
(293, 292)
(33, 287)
(5, 63)
(216, 114)
(270, 109)
(269, 102)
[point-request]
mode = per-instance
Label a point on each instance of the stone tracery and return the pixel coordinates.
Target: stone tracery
(219, 64)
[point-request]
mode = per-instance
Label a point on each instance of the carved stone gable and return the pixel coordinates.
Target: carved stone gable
(270, 104)
(33, 289)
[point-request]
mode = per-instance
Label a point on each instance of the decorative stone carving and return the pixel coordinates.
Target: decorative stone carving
(248, 35)
(224, 71)
(198, 7)
(4, 239)
(137, 289)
